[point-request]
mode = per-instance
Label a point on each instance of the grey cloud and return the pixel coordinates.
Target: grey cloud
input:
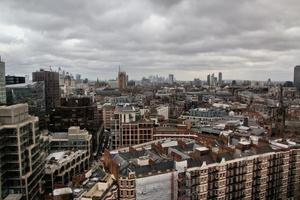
(153, 37)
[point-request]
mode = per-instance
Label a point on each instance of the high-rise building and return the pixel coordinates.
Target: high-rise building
(2, 83)
(52, 90)
(77, 111)
(122, 80)
(78, 78)
(297, 77)
(171, 78)
(10, 80)
(22, 153)
(220, 80)
(31, 93)
(208, 79)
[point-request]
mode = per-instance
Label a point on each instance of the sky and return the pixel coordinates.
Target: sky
(244, 39)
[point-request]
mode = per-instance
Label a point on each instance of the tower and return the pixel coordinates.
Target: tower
(2, 83)
(208, 79)
(280, 115)
(220, 79)
(171, 78)
(52, 90)
(297, 77)
(122, 79)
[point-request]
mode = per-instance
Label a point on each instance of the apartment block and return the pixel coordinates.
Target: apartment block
(197, 169)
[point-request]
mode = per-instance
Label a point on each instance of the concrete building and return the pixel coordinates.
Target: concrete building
(100, 188)
(113, 84)
(205, 114)
(74, 139)
(107, 116)
(2, 83)
(189, 169)
(93, 184)
(52, 90)
(163, 111)
(297, 77)
(62, 166)
(22, 153)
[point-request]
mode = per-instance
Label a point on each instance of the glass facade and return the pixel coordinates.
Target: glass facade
(31, 93)
(2, 83)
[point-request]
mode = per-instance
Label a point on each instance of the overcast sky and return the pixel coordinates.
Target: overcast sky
(245, 39)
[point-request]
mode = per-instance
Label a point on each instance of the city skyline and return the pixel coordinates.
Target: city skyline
(254, 41)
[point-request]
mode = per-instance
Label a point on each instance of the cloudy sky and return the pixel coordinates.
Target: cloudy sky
(245, 39)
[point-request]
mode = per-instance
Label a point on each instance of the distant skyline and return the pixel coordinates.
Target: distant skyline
(252, 40)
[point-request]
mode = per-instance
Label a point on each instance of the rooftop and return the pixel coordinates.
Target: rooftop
(162, 155)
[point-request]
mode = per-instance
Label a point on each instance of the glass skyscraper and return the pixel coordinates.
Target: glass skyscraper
(2, 83)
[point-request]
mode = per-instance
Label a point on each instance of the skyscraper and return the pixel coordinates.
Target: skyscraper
(171, 78)
(297, 77)
(52, 90)
(22, 155)
(2, 83)
(220, 81)
(208, 79)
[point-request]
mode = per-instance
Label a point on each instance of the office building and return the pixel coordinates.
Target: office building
(52, 90)
(205, 114)
(107, 116)
(189, 169)
(22, 153)
(128, 129)
(10, 80)
(171, 78)
(220, 78)
(2, 83)
(77, 111)
(208, 80)
(297, 77)
(62, 166)
(78, 78)
(33, 94)
(74, 139)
